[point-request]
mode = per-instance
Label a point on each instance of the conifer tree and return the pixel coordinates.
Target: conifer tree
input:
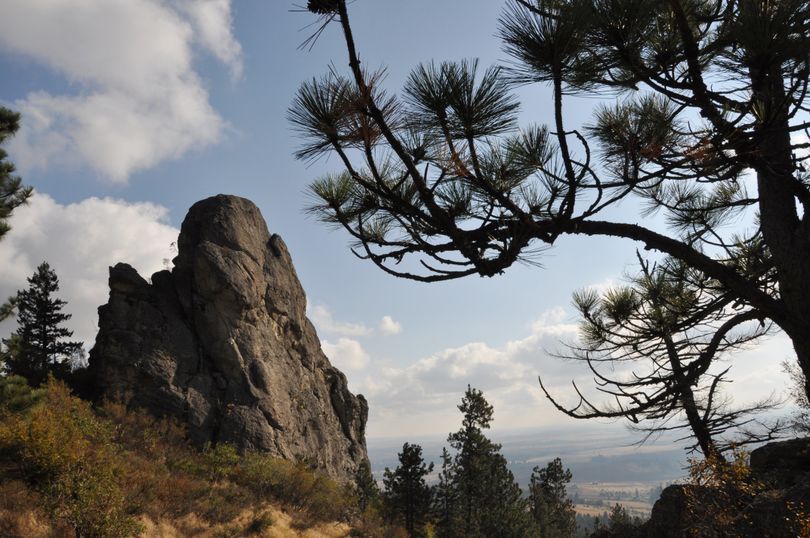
(12, 191)
(708, 94)
(407, 496)
(551, 509)
(39, 346)
(12, 194)
(488, 501)
(444, 498)
(366, 486)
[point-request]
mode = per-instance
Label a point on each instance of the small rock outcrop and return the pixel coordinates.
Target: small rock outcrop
(782, 470)
(222, 343)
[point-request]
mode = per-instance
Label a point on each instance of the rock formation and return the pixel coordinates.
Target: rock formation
(781, 468)
(222, 343)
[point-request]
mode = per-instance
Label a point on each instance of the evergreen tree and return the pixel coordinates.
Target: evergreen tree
(367, 490)
(39, 345)
(444, 498)
(620, 522)
(552, 510)
(707, 92)
(12, 192)
(407, 495)
(488, 501)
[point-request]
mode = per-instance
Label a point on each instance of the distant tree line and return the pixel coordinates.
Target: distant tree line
(474, 493)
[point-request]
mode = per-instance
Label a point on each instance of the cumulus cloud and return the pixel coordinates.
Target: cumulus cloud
(431, 387)
(325, 322)
(80, 241)
(389, 326)
(213, 22)
(138, 100)
(346, 354)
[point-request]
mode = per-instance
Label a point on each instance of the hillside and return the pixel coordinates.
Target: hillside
(68, 469)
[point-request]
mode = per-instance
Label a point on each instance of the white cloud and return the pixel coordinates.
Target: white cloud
(423, 396)
(389, 326)
(325, 322)
(346, 354)
(80, 241)
(213, 22)
(138, 100)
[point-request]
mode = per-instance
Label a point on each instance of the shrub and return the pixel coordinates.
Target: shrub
(721, 497)
(260, 523)
(295, 485)
(17, 396)
(66, 453)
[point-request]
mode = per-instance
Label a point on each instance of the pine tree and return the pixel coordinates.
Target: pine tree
(366, 486)
(550, 506)
(39, 346)
(488, 501)
(12, 192)
(620, 522)
(444, 498)
(709, 94)
(12, 195)
(407, 496)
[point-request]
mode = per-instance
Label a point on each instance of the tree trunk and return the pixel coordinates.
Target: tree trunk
(784, 231)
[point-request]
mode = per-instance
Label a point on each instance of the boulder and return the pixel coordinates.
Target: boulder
(222, 344)
(780, 475)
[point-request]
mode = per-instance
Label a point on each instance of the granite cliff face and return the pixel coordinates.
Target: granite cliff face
(222, 343)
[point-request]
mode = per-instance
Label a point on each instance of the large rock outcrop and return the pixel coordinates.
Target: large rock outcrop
(222, 343)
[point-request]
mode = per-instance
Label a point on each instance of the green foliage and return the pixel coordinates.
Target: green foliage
(368, 492)
(620, 522)
(39, 347)
(551, 509)
(12, 192)
(477, 494)
(407, 496)
(706, 91)
(16, 396)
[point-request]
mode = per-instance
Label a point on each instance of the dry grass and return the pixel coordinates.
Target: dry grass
(66, 468)
(282, 525)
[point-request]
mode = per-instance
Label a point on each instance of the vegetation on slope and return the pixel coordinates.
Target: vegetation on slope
(68, 469)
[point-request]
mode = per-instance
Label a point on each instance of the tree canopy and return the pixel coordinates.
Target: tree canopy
(708, 127)
(39, 346)
(652, 347)
(12, 192)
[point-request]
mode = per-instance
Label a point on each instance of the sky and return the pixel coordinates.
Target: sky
(135, 109)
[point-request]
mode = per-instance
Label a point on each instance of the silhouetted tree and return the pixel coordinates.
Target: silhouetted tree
(551, 508)
(651, 346)
(12, 192)
(710, 90)
(39, 346)
(407, 496)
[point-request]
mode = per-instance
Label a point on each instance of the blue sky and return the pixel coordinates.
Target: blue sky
(135, 109)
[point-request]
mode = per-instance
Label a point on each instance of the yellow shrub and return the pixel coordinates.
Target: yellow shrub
(65, 451)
